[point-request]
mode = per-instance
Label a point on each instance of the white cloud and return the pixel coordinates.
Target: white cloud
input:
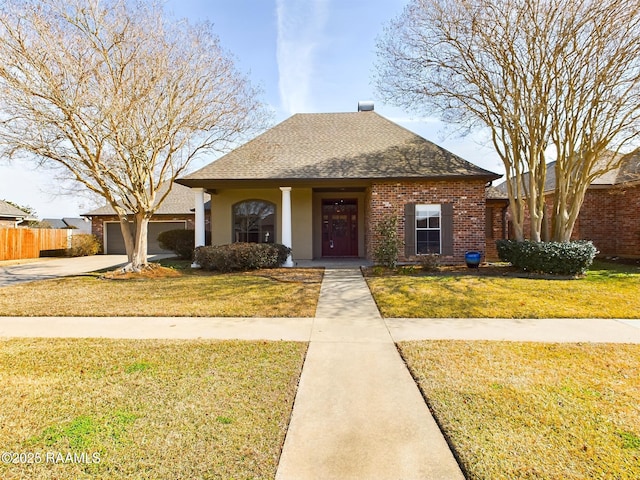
(300, 31)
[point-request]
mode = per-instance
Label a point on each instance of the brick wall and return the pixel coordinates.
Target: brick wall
(628, 221)
(467, 197)
(496, 229)
(610, 218)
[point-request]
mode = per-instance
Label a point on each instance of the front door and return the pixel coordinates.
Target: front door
(340, 228)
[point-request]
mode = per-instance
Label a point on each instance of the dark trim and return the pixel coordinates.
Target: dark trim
(446, 229)
(409, 230)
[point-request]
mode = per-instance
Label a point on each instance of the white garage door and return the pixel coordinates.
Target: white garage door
(114, 242)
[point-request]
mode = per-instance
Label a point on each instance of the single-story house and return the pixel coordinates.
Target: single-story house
(11, 216)
(77, 225)
(176, 212)
(322, 183)
(610, 213)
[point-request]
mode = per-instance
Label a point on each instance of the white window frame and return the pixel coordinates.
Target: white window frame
(425, 211)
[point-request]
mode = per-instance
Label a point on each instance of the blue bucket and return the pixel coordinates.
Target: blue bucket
(473, 258)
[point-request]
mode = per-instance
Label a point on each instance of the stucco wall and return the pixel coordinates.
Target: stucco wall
(301, 216)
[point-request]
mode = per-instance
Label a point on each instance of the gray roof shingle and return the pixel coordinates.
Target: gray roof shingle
(180, 201)
(628, 170)
(359, 145)
(9, 211)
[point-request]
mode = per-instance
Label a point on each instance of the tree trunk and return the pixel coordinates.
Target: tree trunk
(127, 235)
(135, 241)
(139, 257)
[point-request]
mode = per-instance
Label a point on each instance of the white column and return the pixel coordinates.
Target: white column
(286, 222)
(199, 220)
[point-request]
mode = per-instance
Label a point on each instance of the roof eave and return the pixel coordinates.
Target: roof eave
(213, 183)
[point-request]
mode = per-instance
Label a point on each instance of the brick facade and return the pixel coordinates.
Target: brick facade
(466, 196)
(609, 217)
(496, 226)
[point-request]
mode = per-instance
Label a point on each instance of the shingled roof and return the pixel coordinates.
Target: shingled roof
(359, 145)
(627, 170)
(9, 211)
(180, 201)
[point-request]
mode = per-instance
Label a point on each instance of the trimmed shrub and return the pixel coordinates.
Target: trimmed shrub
(241, 256)
(388, 247)
(429, 261)
(83, 245)
(180, 241)
(559, 258)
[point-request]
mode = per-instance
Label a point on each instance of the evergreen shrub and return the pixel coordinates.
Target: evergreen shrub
(559, 258)
(241, 256)
(179, 241)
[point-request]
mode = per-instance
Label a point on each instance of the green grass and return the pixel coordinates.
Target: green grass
(607, 291)
(146, 409)
(534, 411)
(277, 293)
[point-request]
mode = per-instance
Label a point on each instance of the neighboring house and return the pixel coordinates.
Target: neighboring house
(176, 212)
(610, 213)
(77, 225)
(497, 218)
(323, 182)
(11, 216)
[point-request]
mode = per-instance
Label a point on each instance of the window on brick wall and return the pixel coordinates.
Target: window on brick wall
(428, 229)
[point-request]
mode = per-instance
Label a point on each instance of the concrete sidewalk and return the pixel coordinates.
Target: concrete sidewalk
(358, 414)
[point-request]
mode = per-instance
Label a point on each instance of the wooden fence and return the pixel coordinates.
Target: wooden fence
(19, 243)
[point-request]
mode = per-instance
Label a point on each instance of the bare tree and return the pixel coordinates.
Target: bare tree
(542, 75)
(121, 96)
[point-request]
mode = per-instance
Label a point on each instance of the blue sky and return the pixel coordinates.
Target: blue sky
(308, 56)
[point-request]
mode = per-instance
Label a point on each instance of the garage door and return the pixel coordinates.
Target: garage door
(114, 241)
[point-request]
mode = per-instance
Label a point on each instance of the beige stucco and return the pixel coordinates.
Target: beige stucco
(301, 216)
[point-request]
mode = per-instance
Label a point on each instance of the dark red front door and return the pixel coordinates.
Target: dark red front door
(340, 228)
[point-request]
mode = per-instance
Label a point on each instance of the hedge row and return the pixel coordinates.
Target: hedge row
(181, 242)
(241, 256)
(559, 258)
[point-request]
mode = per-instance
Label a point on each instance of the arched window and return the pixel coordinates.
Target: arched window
(254, 221)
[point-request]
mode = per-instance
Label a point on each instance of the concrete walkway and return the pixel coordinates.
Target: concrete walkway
(358, 414)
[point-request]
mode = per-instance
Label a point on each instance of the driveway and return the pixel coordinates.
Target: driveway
(45, 268)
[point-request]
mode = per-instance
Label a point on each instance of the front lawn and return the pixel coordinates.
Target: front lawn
(107, 409)
(530, 411)
(266, 293)
(607, 291)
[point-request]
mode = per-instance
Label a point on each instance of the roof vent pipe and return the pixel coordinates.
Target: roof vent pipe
(365, 106)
